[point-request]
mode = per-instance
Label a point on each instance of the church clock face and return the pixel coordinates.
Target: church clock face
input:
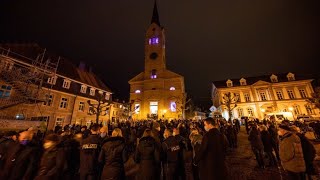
(153, 56)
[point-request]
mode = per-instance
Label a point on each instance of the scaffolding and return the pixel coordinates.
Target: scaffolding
(24, 78)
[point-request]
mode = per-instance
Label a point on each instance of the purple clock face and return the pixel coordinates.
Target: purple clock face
(153, 41)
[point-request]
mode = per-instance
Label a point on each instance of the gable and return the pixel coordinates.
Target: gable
(260, 82)
(139, 77)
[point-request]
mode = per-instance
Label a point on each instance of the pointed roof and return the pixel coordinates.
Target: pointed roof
(155, 14)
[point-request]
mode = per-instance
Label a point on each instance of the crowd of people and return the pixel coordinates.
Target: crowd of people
(177, 149)
(129, 150)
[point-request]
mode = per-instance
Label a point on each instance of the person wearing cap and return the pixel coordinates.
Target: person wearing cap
(291, 153)
(53, 160)
(211, 156)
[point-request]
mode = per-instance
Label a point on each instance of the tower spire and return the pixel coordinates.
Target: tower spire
(155, 14)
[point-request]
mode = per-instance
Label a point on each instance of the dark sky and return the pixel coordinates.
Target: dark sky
(207, 40)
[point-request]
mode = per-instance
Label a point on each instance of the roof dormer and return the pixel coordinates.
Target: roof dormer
(229, 83)
(274, 78)
(243, 82)
(290, 76)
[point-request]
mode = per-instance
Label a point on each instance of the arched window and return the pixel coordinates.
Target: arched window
(137, 91)
(172, 88)
(153, 74)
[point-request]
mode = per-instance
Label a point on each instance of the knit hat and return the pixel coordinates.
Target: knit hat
(285, 127)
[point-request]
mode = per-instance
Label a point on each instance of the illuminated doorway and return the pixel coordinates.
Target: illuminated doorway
(154, 107)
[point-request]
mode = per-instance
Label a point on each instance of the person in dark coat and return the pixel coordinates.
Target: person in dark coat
(147, 156)
(171, 155)
(187, 157)
(7, 142)
(89, 154)
(256, 145)
(274, 139)
(113, 155)
(211, 155)
(231, 135)
(22, 160)
(267, 144)
(53, 160)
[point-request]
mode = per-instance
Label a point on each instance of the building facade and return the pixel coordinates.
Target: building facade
(60, 97)
(156, 93)
(259, 97)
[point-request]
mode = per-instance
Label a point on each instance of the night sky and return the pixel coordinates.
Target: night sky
(207, 40)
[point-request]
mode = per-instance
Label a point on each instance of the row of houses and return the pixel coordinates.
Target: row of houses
(32, 88)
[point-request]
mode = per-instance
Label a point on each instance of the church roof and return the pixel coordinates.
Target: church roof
(155, 14)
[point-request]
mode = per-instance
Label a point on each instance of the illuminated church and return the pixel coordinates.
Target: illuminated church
(157, 93)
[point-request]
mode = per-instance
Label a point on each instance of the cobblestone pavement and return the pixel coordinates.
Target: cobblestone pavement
(243, 166)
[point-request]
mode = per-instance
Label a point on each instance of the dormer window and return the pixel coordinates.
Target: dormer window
(137, 91)
(290, 77)
(172, 88)
(100, 92)
(153, 41)
(66, 83)
(107, 96)
(92, 91)
(52, 80)
(83, 89)
(153, 74)
(243, 82)
(229, 83)
(274, 78)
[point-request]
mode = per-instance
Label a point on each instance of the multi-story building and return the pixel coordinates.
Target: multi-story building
(58, 95)
(157, 92)
(266, 95)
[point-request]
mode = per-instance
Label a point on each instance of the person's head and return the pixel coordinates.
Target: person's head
(176, 131)
(147, 132)
(156, 125)
(95, 129)
(210, 123)
(283, 129)
(11, 134)
(296, 129)
(263, 128)
(25, 137)
(50, 141)
(167, 133)
(83, 128)
(194, 131)
(104, 131)
(117, 132)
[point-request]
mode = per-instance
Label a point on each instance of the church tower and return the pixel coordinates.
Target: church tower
(156, 93)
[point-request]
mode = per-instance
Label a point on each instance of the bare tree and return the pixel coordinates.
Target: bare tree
(315, 98)
(229, 100)
(100, 107)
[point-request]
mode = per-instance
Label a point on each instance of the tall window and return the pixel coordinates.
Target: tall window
(154, 40)
(83, 89)
(5, 91)
(59, 121)
(240, 112)
(137, 108)
(291, 94)
(49, 100)
(309, 109)
(250, 112)
(279, 95)
(296, 110)
(247, 97)
(63, 103)
(52, 80)
(302, 93)
(153, 74)
(81, 106)
(263, 96)
(66, 84)
(173, 106)
(238, 97)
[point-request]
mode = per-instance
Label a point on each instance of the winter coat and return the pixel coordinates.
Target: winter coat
(89, 153)
(71, 149)
(22, 162)
(211, 156)
(267, 141)
(274, 135)
(255, 139)
(5, 144)
(52, 164)
(148, 157)
(113, 156)
(291, 153)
